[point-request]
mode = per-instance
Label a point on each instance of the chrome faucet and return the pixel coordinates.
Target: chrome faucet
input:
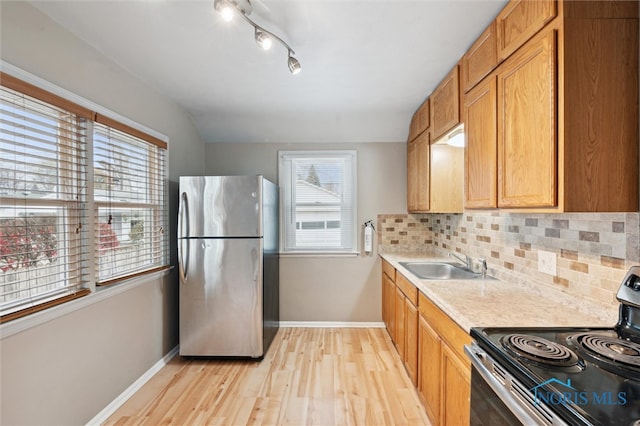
(483, 262)
(467, 260)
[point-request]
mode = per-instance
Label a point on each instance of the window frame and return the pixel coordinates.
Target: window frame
(21, 81)
(287, 182)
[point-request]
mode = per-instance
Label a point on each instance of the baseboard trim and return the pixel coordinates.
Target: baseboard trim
(107, 411)
(330, 324)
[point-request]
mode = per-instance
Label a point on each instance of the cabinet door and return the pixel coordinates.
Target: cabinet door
(400, 313)
(445, 105)
(527, 136)
(390, 301)
(481, 148)
(411, 341)
(429, 358)
(519, 21)
(447, 178)
(412, 177)
(387, 287)
(423, 185)
(480, 59)
(456, 389)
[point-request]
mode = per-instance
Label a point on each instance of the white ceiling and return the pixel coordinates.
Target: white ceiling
(366, 65)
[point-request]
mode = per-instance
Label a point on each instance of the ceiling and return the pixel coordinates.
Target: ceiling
(366, 65)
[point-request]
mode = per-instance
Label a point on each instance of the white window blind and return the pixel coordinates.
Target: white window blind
(129, 192)
(82, 200)
(42, 202)
(318, 201)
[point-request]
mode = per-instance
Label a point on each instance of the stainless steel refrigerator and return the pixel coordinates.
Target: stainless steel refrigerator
(228, 265)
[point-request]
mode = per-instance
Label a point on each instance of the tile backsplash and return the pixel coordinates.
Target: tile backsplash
(594, 250)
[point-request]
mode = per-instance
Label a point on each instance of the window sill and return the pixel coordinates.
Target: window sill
(320, 254)
(21, 324)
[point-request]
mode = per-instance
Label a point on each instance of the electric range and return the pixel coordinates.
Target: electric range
(560, 375)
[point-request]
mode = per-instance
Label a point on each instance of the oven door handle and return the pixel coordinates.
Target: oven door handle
(526, 413)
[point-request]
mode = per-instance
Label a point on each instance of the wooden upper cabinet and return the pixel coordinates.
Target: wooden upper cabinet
(481, 148)
(600, 109)
(423, 163)
(418, 185)
(412, 177)
(480, 59)
(445, 105)
(447, 178)
(519, 21)
(527, 138)
(419, 121)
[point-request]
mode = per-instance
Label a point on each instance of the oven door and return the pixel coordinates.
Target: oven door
(487, 409)
(497, 398)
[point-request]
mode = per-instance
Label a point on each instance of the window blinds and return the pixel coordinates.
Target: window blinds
(318, 201)
(82, 200)
(42, 201)
(131, 211)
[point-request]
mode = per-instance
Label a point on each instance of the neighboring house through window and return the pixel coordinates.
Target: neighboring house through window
(318, 201)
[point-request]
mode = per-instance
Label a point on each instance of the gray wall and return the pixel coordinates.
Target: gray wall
(68, 369)
(328, 288)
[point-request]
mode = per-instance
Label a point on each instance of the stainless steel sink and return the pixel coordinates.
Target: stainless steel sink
(441, 271)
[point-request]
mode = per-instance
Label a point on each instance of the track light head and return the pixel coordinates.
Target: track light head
(294, 64)
(228, 8)
(263, 39)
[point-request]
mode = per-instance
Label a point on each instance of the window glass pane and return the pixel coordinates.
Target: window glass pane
(42, 201)
(129, 182)
(318, 200)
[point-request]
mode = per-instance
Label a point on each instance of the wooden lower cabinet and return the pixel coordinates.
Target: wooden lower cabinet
(445, 372)
(411, 340)
(430, 345)
(456, 389)
(399, 338)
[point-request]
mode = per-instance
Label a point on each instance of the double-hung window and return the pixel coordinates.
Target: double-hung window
(42, 201)
(318, 201)
(130, 208)
(82, 200)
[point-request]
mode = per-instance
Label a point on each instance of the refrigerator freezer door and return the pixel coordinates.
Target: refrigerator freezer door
(220, 206)
(221, 298)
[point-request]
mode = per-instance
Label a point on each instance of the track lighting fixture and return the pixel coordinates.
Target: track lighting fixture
(229, 8)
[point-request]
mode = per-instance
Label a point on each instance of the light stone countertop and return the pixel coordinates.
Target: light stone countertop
(495, 303)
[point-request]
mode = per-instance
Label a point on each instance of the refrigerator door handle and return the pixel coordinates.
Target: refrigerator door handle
(183, 230)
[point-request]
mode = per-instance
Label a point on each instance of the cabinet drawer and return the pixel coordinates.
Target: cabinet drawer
(519, 21)
(389, 270)
(480, 59)
(445, 327)
(407, 288)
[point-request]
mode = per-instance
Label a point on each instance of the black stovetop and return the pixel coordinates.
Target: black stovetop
(594, 391)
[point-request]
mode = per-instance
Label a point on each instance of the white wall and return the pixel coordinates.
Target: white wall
(68, 369)
(321, 288)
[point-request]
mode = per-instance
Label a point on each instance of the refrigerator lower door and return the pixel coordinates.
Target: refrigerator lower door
(221, 297)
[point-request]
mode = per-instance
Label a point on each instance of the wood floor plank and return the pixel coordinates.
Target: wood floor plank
(310, 376)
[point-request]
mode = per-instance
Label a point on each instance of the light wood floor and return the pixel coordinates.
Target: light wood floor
(310, 376)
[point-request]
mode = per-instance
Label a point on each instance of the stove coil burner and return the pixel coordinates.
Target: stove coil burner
(539, 350)
(618, 350)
